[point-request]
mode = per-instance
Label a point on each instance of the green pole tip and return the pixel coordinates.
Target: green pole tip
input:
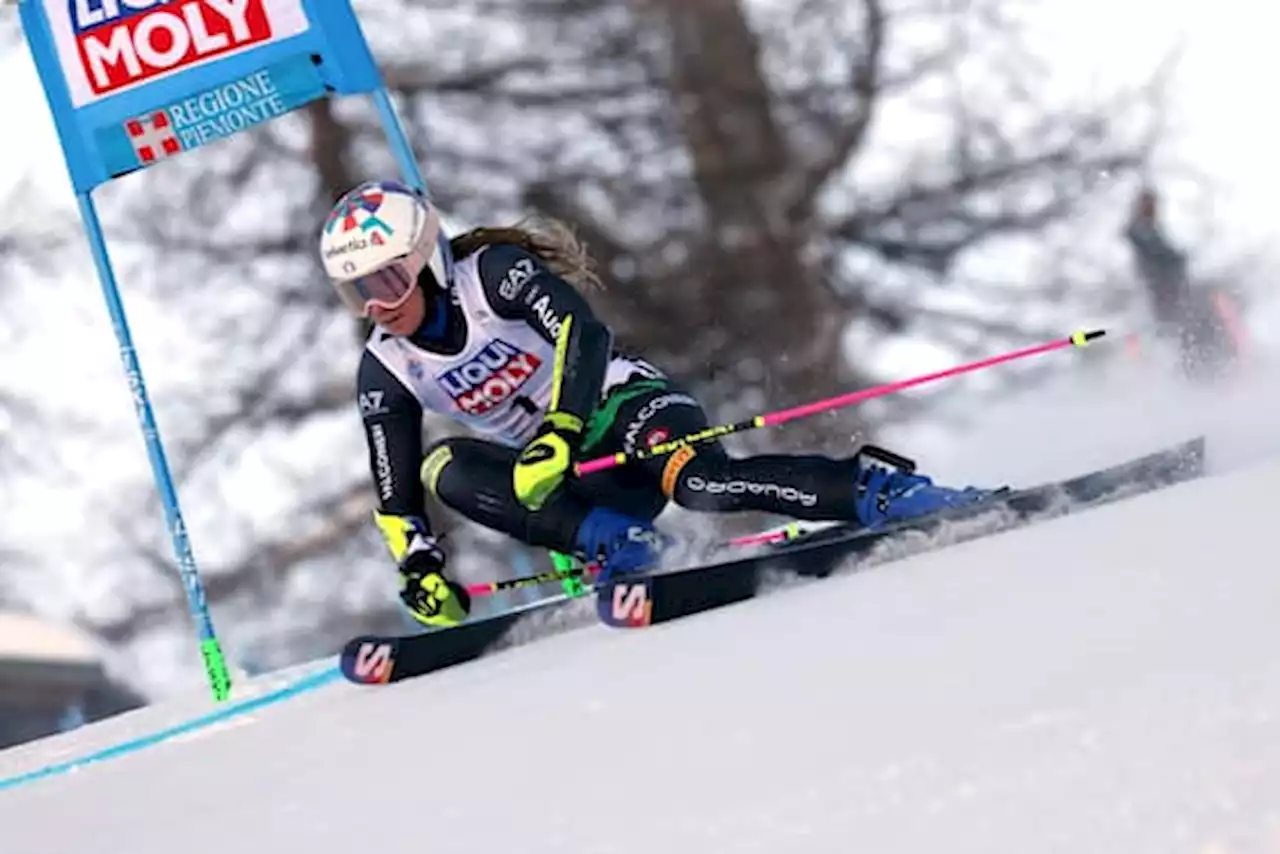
(573, 586)
(215, 667)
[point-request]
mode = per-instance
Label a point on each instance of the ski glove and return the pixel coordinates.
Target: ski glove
(430, 596)
(545, 461)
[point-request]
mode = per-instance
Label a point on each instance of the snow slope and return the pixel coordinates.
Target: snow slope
(1105, 682)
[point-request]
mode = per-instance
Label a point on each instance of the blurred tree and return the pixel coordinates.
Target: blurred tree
(13, 410)
(756, 180)
(30, 239)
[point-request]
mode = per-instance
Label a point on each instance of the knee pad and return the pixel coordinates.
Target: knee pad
(438, 455)
(456, 469)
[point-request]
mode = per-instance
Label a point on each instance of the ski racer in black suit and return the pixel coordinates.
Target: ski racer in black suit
(490, 328)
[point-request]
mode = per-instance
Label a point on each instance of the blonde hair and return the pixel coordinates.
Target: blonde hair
(551, 240)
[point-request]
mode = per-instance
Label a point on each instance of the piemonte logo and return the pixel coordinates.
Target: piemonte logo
(153, 137)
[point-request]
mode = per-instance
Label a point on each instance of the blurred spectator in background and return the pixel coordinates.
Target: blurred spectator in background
(1201, 323)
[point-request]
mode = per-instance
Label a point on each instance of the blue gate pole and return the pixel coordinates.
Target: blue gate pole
(210, 649)
(402, 150)
(111, 125)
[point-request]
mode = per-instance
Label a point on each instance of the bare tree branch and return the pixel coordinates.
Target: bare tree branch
(849, 135)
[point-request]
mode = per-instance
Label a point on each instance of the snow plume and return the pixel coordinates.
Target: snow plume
(1115, 406)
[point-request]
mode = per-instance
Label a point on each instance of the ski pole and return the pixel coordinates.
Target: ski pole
(572, 585)
(488, 588)
(569, 572)
(1076, 339)
(794, 529)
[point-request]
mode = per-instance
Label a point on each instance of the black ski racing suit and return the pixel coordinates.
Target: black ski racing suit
(473, 476)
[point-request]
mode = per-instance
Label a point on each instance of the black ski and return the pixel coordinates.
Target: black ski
(379, 659)
(647, 600)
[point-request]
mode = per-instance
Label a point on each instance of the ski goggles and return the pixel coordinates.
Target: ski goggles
(387, 288)
(390, 286)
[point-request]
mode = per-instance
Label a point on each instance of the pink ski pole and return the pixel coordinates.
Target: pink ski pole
(1076, 339)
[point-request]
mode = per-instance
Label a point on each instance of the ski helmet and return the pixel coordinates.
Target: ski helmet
(377, 241)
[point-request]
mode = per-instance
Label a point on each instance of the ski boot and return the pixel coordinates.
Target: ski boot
(620, 544)
(889, 490)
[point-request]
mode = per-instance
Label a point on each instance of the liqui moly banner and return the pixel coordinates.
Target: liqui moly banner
(110, 46)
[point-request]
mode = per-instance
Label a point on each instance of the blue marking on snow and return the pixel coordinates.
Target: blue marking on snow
(309, 683)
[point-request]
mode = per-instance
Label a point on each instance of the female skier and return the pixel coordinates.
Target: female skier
(489, 328)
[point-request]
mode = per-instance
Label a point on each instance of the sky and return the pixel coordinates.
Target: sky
(1227, 57)
(1213, 125)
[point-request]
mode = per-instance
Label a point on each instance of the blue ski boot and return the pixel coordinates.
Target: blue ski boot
(889, 490)
(621, 544)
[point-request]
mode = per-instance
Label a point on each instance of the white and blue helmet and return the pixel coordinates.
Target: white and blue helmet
(377, 241)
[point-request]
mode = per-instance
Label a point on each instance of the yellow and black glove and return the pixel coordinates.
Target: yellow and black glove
(545, 461)
(431, 596)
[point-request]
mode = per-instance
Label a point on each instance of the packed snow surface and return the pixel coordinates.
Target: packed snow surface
(1104, 682)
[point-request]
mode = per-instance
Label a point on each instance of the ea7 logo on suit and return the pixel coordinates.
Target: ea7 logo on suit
(371, 403)
(514, 280)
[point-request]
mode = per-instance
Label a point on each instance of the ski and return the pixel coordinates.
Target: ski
(650, 599)
(382, 659)
(647, 600)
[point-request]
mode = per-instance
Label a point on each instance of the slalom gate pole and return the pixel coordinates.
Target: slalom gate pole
(1076, 339)
(123, 102)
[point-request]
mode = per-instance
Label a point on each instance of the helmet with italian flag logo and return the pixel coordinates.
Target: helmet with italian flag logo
(378, 241)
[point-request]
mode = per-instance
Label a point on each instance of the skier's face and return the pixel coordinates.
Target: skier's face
(404, 319)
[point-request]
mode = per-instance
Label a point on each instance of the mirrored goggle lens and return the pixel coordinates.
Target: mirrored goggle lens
(388, 288)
